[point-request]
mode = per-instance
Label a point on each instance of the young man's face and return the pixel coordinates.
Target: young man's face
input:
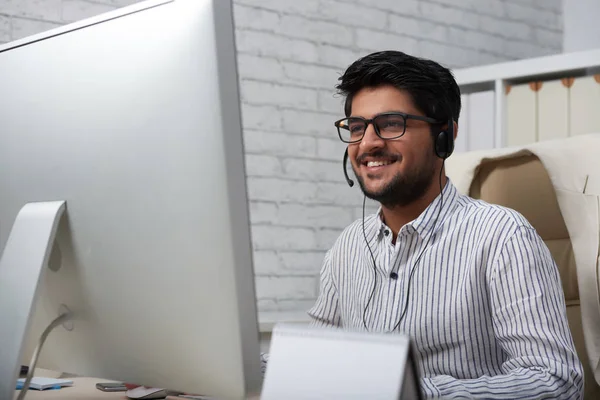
(398, 171)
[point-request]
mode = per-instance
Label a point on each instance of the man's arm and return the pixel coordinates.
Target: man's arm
(326, 310)
(531, 325)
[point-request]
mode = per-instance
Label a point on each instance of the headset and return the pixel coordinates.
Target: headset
(443, 143)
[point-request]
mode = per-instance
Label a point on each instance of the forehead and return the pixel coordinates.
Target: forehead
(371, 101)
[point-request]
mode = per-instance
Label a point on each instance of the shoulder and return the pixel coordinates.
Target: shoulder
(487, 228)
(483, 214)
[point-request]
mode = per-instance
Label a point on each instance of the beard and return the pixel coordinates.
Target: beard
(403, 188)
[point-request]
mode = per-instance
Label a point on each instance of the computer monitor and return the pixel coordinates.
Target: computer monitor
(128, 125)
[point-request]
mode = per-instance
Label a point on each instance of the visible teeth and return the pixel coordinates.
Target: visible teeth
(377, 163)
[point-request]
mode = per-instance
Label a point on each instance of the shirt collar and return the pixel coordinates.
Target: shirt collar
(426, 221)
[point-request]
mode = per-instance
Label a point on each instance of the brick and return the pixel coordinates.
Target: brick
(22, 27)
(5, 35)
(404, 7)
(283, 238)
(48, 10)
(552, 5)
(312, 170)
(261, 68)
(338, 193)
(266, 305)
(488, 58)
(370, 209)
(261, 117)
(448, 15)
(310, 123)
(310, 75)
(122, 3)
(279, 144)
(272, 45)
(377, 41)
(281, 190)
(336, 57)
(327, 237)
(493, 8)
(117, 3)
(263, 165)
(355, 15)
(548, 38)
(533, 16)
(447, 55)
(266, 263)
(518, 49)
(317, 31)
(293, 287)
(256, 18)
(274, 305)
(75, 10)
(261, 93)
(262, 212)
(331, 102)
(313, 216)
(417, 27)
(306, 261)
(475, 40)
(504, 28)
(331, 149)
(286, 263)
(294, 7)
(298, 304)
(293, 263)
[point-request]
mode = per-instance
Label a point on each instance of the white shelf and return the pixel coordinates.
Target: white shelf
(496, 77)
(577, 63)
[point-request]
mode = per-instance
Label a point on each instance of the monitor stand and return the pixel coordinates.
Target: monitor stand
(22, 265)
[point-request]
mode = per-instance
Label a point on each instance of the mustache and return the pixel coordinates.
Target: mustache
(378, 154)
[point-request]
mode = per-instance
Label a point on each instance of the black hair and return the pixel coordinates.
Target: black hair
(431, 86)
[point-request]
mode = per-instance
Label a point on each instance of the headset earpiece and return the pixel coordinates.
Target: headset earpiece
(444, 141)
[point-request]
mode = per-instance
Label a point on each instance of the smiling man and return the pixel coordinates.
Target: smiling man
(472, 283)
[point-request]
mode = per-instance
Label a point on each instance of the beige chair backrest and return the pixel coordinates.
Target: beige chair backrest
(523, 184)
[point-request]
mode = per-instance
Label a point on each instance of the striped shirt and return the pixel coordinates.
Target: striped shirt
(485, 309)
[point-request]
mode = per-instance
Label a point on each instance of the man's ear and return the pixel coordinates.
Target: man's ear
(455, 129)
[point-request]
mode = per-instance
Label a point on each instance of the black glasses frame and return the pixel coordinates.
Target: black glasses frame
(372, 121)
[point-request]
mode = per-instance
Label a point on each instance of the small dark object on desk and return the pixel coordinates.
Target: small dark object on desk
(111, 387)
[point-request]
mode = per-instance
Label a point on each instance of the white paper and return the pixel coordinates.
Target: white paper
(40, 383)
(322, 363)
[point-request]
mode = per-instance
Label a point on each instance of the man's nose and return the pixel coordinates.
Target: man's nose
(371, 140)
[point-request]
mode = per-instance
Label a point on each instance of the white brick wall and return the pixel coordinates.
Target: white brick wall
(290, 55)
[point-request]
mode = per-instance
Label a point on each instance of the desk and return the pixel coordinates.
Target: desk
(83, 389)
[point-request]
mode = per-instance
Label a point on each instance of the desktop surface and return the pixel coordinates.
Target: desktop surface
(85, 389)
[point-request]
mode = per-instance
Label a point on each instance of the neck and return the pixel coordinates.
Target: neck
(398, 216)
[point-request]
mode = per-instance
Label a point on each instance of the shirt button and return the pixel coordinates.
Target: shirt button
(394, 275)
(386, 232)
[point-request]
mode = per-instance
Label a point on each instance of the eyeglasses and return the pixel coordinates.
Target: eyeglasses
(390, 125)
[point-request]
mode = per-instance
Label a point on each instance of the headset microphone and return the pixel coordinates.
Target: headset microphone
(350, 181)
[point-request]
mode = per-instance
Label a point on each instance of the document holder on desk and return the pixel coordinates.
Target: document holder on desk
(331, 363)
